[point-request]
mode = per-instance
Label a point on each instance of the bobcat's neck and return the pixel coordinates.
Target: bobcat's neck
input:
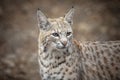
(57, 61)
(50, 55)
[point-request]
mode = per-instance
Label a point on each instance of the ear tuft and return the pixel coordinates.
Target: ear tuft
(69, 15)
(38, 9)
(72, 6)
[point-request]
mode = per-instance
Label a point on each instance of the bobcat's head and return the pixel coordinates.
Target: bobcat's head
(56, 33)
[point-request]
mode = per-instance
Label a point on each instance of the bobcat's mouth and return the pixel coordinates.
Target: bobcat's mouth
(61, 47)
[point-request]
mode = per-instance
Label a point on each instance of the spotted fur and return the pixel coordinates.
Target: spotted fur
(63, 58)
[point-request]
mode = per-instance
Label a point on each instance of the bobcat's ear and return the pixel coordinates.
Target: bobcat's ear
(69, 16)
(42, 20)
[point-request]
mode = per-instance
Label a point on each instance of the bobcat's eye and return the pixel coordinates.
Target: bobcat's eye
(55, 34)
(68, 33)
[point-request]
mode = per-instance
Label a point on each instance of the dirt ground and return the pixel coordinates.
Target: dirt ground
(94, 20)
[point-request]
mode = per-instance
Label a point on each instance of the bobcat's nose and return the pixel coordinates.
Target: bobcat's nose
(64, 43)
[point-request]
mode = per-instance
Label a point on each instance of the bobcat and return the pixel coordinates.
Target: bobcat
(63, 58)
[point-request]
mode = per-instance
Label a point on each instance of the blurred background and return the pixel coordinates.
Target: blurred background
(94, 20)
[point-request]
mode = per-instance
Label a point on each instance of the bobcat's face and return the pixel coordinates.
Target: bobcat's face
(56, 32)
(60, 33)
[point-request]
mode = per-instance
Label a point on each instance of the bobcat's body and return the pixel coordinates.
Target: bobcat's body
(63, 58)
